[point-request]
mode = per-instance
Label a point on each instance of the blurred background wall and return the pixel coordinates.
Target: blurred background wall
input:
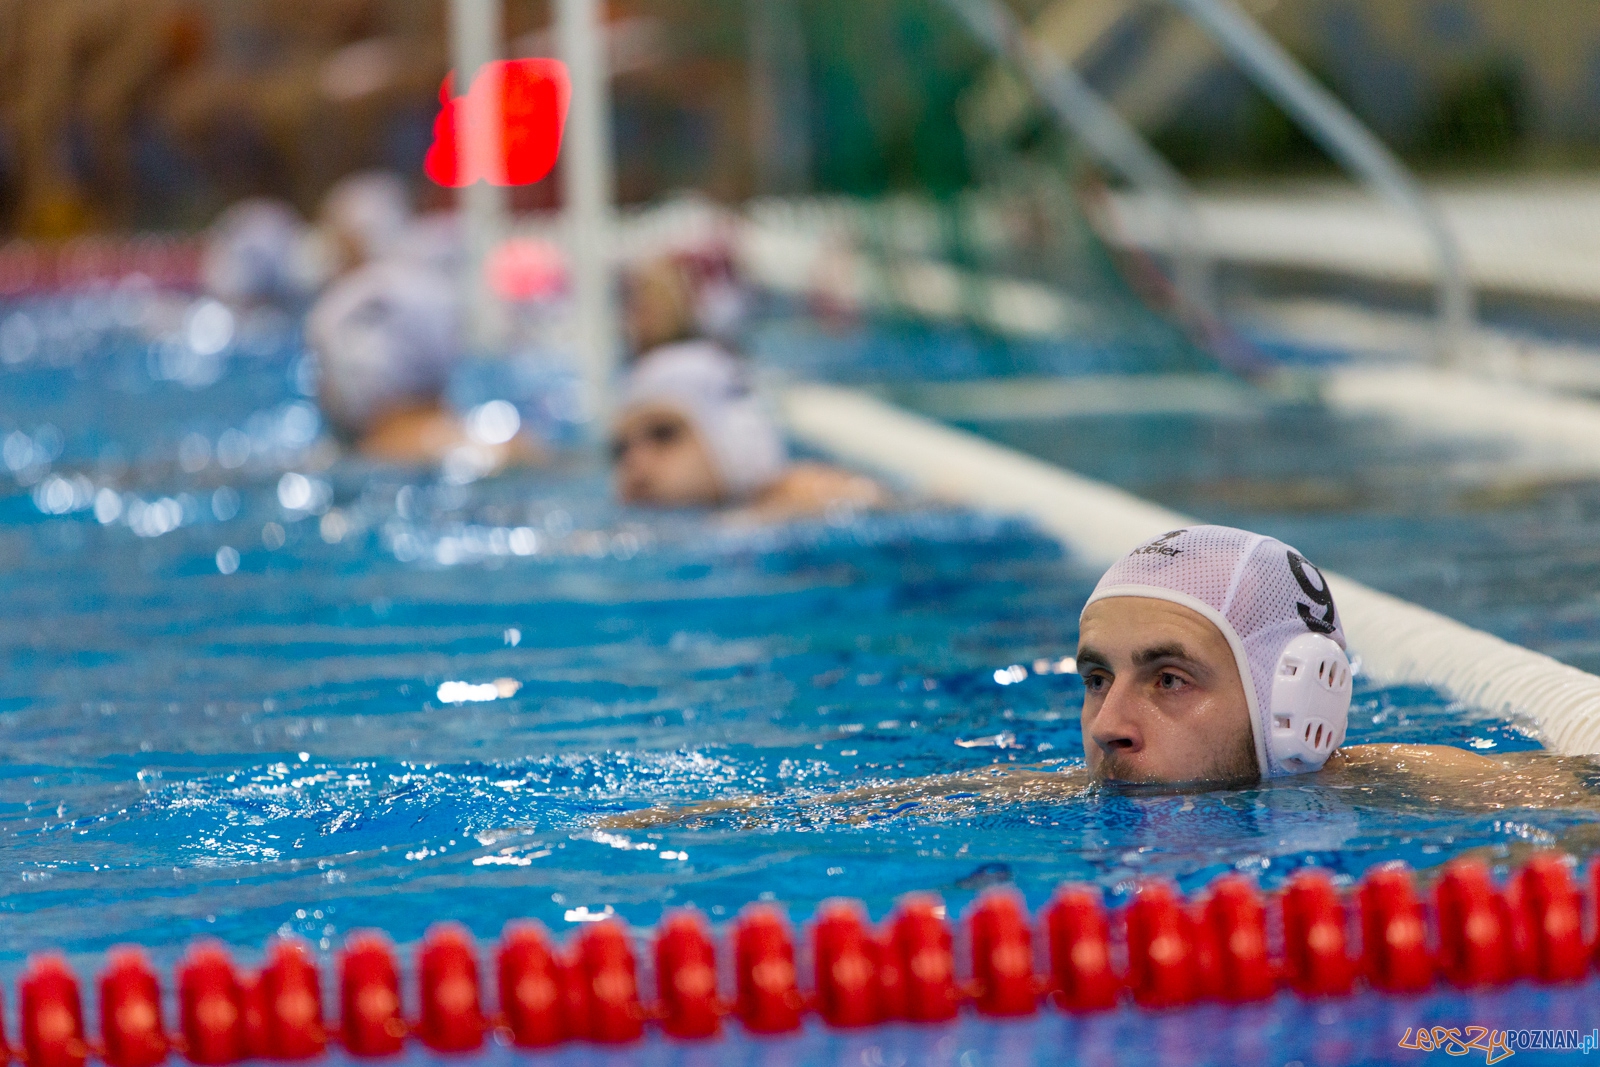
(1450, 83)
(155, 113)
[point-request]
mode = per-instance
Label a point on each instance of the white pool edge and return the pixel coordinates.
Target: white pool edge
(1398, 642)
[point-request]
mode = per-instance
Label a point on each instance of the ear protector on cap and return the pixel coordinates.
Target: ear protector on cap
(1310, 702)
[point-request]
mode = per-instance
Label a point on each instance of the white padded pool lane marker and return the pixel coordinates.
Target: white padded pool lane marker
(1398, 642)
(1098, 522)
(1556, 434)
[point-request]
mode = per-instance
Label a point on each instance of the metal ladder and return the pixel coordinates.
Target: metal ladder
(1179, 50)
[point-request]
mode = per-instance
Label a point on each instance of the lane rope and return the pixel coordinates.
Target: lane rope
(1229, 943)
(30, 268)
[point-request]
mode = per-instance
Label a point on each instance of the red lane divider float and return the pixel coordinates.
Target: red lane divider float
(28, 267)
(1231, 944)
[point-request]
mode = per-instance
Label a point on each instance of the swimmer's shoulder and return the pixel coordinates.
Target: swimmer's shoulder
(1431, 760)
(412, 435)
(810, 489)
(425, 434)
(1468, 781)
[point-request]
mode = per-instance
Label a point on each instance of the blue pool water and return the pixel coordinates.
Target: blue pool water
(227, 716)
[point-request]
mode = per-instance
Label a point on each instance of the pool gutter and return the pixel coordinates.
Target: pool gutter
(1398, 643)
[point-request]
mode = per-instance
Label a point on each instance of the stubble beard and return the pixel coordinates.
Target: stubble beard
(1234, 767)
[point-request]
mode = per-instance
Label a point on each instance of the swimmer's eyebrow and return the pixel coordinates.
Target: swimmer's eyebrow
(1170, 652)
(1088, 657)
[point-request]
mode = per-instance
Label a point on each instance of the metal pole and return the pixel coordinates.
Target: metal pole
(586, 173)
(1106, 135)
(485, 214)
(1321, 114)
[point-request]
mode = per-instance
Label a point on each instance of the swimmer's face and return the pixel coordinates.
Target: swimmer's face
(661, 460)
(1163, 701)
(344, 247)
(658, 306)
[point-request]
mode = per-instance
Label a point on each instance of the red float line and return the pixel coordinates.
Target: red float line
(1230, 943)
(32, 268)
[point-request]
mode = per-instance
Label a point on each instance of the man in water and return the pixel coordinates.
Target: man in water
(387, 340)
(1213, 658)
(691, 431)
(1197, 652)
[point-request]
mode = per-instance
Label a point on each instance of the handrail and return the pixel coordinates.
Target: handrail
(1105, 134)
(1344, 137)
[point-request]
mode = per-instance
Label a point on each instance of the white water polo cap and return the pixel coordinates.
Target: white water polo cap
(371, 209)
(258, 250)
(712, 389)
(385, 336)
(1277, 613)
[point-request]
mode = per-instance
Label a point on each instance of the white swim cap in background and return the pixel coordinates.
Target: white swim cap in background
(1261, 594)
(257, 250)
(434, 240)
(385, 335)
(712, 389)
(372, 209)
(721, 308)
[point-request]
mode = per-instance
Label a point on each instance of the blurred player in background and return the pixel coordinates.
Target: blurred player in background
(693, 432)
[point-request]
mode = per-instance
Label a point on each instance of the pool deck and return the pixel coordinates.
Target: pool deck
(1528, 237)
(1553, 436)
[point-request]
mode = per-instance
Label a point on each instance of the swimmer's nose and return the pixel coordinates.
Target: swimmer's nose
(631, 490)
(1116, 729)
(633, 484)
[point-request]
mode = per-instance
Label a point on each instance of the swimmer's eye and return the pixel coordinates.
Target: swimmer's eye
(1096, 681)
(659, 434)
(663, 433)
(1171, 682)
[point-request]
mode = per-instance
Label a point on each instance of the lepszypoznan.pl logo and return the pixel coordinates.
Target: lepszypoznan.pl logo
(1497, 1045)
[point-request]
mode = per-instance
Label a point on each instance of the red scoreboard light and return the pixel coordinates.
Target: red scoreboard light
(510, 122)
